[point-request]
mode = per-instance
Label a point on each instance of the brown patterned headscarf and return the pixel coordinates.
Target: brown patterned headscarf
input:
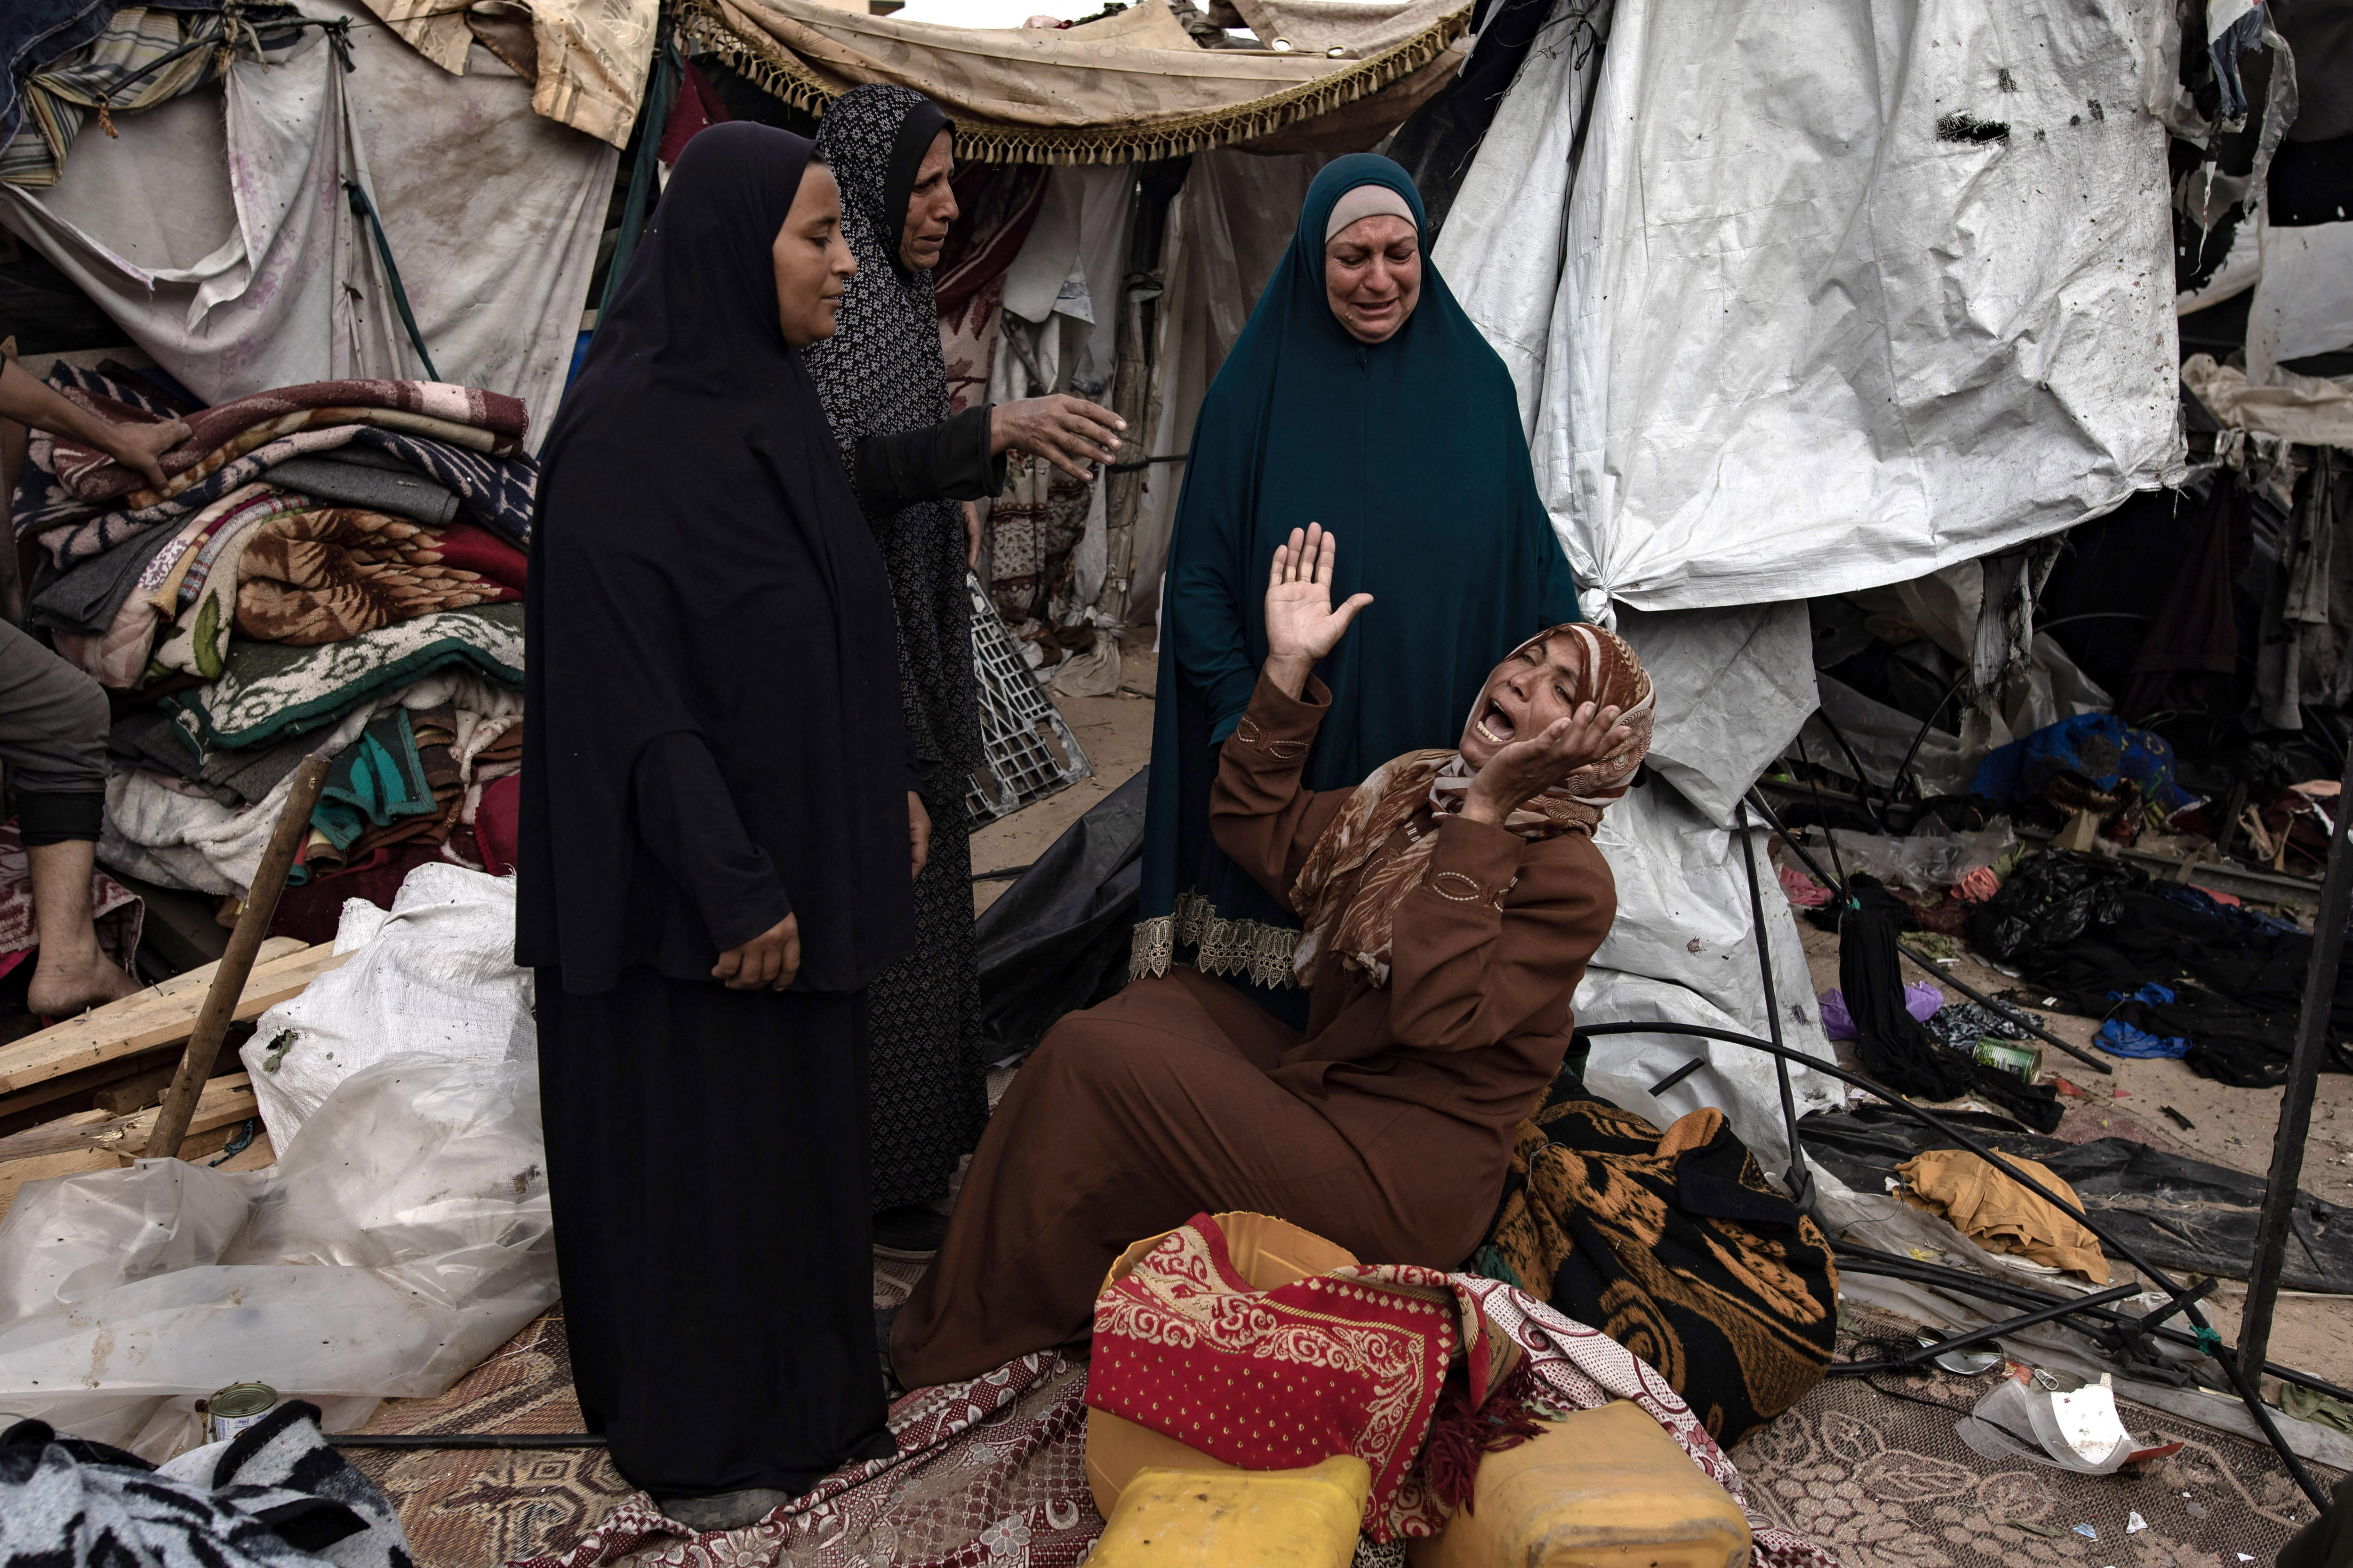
(1399, 790)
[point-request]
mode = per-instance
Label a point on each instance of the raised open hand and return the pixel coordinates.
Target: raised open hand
(1302, 627)
(1525, 769)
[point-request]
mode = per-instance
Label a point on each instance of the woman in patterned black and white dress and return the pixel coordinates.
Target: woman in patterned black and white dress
(884, 385)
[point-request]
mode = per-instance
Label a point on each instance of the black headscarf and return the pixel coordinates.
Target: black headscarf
(700, 566)
(882, 373)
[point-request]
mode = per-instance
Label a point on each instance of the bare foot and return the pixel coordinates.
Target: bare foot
(63, 988)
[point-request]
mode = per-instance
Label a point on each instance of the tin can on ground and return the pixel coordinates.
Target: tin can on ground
(2022, 1058)
(237, 1408)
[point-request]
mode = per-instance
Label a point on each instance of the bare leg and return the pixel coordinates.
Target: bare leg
(69, 972)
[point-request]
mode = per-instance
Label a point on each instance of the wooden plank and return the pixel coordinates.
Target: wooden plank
(152, 1018)
(103, 1142)
(224, 1099)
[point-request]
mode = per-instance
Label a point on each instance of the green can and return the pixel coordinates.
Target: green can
(2010, 1056)
(237, 1408)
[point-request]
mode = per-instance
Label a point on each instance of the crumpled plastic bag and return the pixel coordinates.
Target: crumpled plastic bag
(1920, 999)
(436, 976)
(2048, 900)
(402, 1237)
(1927, 862)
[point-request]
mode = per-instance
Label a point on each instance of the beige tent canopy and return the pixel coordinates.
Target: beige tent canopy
(1125, 88)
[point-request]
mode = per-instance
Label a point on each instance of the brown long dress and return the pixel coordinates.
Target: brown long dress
(1387, 1127)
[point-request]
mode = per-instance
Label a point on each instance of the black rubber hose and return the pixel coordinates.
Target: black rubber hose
(2118, 1327)
(466, 1439)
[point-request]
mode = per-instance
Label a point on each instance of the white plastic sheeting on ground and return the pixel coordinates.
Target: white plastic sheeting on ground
(402, 1235)
(216, 229)
(401, 1239)
(436, 977)
(1842, 292)
(1227, 229)
(1733, 686)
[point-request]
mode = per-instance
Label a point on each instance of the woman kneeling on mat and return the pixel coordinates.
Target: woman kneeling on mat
(1451, 902)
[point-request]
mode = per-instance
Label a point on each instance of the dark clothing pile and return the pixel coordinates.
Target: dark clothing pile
(1897, 1048)
(2094, 931)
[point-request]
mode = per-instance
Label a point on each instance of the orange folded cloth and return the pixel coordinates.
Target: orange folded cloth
(1991, 1209)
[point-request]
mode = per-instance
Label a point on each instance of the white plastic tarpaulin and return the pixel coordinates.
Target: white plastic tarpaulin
(1833, 294)
(218, 229)
(403, 1235)
(1732, 685)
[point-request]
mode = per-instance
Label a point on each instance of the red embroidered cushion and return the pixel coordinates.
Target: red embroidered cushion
(1276, 1379)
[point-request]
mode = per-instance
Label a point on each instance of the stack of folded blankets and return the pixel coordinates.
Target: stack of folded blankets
(333, 569)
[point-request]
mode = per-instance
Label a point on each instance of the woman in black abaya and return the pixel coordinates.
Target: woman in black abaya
(717, 828)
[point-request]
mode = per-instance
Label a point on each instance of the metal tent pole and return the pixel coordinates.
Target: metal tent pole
(2303, 1073)
(1801, 1180)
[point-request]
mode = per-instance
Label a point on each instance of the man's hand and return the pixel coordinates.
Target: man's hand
(1525, 769)
(918, 832)
(142, 446)
(1067, 431)
(1302, 627)
(766, 962)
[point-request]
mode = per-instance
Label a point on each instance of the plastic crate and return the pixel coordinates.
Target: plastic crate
(1020, 731)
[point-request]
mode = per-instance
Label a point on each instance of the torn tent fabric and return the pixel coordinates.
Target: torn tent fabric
(1923, 290)
(216, 229)
(140, 59)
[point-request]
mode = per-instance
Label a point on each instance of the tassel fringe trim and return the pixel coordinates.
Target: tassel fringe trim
(1221, 946)
(782, 74)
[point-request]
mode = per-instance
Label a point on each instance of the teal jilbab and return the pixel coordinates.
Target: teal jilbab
(1411, 451)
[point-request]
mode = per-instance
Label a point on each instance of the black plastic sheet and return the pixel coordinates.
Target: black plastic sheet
(1057, 939)
(2180, 1213)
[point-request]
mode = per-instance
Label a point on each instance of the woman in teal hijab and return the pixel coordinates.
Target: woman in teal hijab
(1359, 396)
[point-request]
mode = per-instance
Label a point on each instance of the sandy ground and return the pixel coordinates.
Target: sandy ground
(2230, 1126)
